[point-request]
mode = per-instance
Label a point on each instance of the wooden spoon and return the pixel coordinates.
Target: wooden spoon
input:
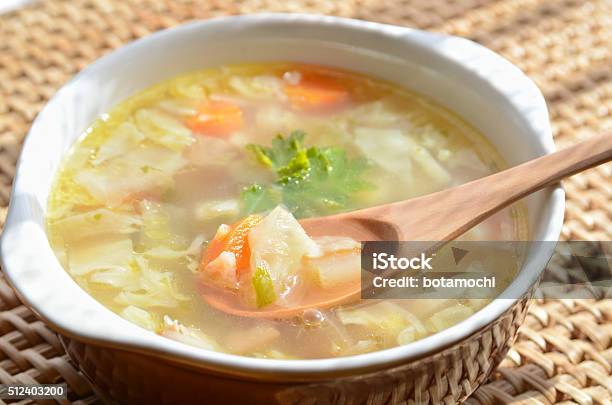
(441, 216)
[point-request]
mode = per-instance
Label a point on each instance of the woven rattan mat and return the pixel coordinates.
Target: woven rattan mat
(564, 351)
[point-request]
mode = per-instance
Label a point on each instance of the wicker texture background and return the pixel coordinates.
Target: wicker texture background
(564, 350)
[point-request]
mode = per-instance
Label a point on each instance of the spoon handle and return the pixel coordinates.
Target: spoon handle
(454, 211)
(531, 176)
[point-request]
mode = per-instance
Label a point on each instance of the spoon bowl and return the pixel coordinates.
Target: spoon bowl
(228, 302)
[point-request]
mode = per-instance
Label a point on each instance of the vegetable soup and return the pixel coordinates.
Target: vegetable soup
(198, 185)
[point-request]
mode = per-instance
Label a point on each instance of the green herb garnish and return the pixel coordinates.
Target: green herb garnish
(264, 287)
(309, 181)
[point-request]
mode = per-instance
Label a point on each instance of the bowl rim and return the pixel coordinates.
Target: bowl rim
(149, 343)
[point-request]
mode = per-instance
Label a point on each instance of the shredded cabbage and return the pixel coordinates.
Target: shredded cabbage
(395, 152)
(164, 252)
(429, 164)
(408, 335)
(69, 194)
(273, 354)
(277, 245)
(125, 138)
(191, 89)
(155, 220)
(117, 277)
(208, 210)
(154, 289)
(361, 346)
(388, 148)
(156, 228)
(96, 222)
(108, 252)
(142, 170)
(338, 263)
(208, 151)
(190, 255)
(258, 87)
(141, 318)
(466, 165)
(448, 317)
(181, 333)
(276, 120)
(431, 137)
(385, 319)
(374, 114)
(182, 107)
(163, 129)
(147, 299)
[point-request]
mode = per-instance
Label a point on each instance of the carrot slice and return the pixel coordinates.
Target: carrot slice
(316, 92)
(234, 241)
(216, 118)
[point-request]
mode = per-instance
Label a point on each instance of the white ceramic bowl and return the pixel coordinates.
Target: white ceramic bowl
(479, 85)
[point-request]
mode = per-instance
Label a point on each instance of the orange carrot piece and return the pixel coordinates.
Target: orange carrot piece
(216, 118)
(235, 241)
(316, 92)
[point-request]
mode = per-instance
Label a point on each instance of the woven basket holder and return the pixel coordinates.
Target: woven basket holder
(562, 354)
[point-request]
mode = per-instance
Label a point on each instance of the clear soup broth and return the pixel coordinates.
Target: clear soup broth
(199, 182)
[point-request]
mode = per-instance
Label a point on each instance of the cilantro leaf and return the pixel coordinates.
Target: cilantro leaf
(282, 151)
(256, 198)
(310, 181)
